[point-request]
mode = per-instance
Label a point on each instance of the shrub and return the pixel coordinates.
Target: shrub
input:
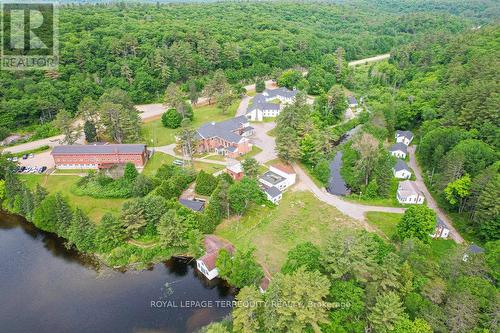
(171, 119)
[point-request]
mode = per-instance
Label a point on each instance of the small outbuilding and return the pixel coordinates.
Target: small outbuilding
(351, 100)
(194, 205)
(207, 264)
(273, 194)
(235, 170)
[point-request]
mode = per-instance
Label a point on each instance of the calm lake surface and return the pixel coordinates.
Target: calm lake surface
(46, 288)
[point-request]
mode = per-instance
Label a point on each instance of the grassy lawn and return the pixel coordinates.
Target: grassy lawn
(95, 208)
(385, 222)
(216, 158)
(255, 150)
(272, 133)
(158, 159)
(307, 169)
(441, 247)
(154, 133)
(273, 231)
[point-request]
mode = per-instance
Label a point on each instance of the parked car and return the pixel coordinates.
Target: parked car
(25, 156)
(14, 159)
(178, 162)
(43, 169)
(31, 155)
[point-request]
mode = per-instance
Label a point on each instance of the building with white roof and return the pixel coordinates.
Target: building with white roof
(408, 193)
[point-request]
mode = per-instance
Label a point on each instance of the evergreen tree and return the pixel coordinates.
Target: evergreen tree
(90, 132)
(247, 315)
(64, 215)
(171, 119)
(205, 183)
(386, 313)
(303, 255)
(260, 86)
(82, 231)
(307, 291)
(130, 173)
(110, 233)
(250, 167)
(132, 217)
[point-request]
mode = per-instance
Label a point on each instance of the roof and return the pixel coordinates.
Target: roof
(272, 177)
(99, 149)
(473, 248)
(407, 188)
(264, 283)
(401, 165)
(194, 205)
(440, 223)
(286, 168)
(209, 260)
(213, 244)
(352, 100)
(280, 92)
(406, 134)
(336, 184)
(236, 168)
(260, 103)
(224, 129)
(399, 146)
(273, 191)
(231, 149)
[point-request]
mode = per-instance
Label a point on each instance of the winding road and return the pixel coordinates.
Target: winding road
(431, 203)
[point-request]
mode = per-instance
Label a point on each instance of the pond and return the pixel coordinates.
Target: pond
(45, 287)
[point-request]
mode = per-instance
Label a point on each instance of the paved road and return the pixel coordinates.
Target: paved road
(379, 57)
(431, 203)
(264, 142)
(354, 210)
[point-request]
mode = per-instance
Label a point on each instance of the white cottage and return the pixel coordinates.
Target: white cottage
(404, 137)
(400, 150)
(408, 193)
(401, 170)
(275, 181)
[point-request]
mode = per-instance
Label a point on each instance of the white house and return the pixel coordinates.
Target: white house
(263, 106)
(408, 193)
(273, 194)
(206, 264)
(400, 150)
(401, 170)
(277, 180)
(441, 230)
(286, 171)
(404, 137)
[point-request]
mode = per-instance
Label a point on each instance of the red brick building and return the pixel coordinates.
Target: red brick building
(228, 138)
(99, 156)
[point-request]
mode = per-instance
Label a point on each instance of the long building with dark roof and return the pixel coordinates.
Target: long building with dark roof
(99, 156)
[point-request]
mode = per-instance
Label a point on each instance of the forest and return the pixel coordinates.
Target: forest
(142, 48)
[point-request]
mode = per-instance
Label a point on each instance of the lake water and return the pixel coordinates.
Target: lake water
(46, 288)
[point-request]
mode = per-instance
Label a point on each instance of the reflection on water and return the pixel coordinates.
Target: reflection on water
(45, 287)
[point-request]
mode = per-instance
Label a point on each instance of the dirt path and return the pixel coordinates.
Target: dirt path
(431, 203)
(379, 57)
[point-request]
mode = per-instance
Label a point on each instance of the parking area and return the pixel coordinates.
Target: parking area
(37, 161)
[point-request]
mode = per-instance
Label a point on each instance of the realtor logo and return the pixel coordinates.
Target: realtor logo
(29, 36)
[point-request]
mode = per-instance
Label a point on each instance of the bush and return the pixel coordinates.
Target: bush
(4, 132)
(322, 171)
(171, 119)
